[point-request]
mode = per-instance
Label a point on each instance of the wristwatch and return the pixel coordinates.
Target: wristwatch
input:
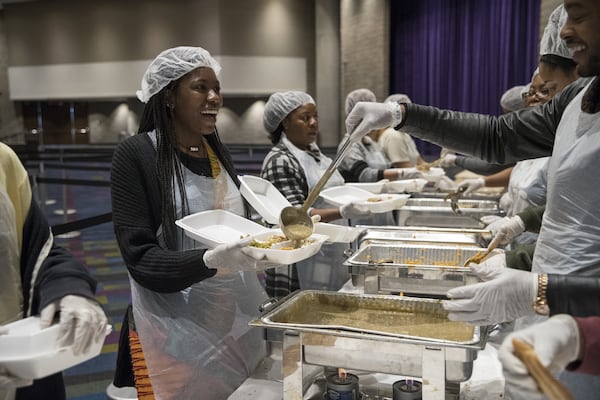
(541, 302)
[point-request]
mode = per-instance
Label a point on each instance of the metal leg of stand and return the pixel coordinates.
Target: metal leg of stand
(292, 366)
(434, 373)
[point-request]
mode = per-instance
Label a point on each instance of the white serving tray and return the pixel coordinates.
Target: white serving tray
(263, 197)
(338, 233)
(341, 195)
(215, 227)
(284, 257)
(405, 186)
(29, 352)
(373, 187)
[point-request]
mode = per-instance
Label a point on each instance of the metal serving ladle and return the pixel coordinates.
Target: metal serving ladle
(295, 222)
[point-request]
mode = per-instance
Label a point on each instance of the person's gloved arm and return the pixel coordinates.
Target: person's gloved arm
(232, 257)
(354, 210)
(449, 160)
(532, 218)
(556, 342)
(471, 185)
(7, 380)
(368, 116)
(407, 173)
(508, 227)
(82, 322)
(504, 295)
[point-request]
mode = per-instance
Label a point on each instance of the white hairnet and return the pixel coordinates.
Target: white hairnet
(551, 43)
(512, 99)
(358, 95)
(280, 105)
(171, 65)
(398, 98)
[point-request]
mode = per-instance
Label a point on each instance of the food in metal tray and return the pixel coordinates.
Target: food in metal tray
(422, 319)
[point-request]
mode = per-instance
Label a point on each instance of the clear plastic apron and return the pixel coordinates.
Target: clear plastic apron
(197, 342)
(325, 270)
(569, 240)
(528, 186)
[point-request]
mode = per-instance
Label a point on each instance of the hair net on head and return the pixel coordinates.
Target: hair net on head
(512, 100)
(398, 98)
(171, 65)
(280, 105)
(551, 43)
(358, 95)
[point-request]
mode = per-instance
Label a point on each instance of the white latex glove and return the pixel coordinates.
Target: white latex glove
(489, 219)
(233, 257)
(449, 160)
(407, 173)
(354, 210)
(368, 116)
(472, 185)
(556, 342)
(509, 294)
(505, 202)
(82, 322)
(446, 184)
(510, 227)
(7, 380)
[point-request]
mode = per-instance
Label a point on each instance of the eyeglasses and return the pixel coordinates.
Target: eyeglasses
(543, 93)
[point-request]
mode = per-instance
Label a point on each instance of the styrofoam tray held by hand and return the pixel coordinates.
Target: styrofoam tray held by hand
(263, 197)
(405, 186)
(29, 352)
(338, 233)
(215, 227)
(280, 250)
(373, 187)
(380, 203)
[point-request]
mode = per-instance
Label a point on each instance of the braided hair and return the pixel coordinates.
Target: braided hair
(158, 116)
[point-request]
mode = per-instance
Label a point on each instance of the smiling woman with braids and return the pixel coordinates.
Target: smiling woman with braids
(191, 305)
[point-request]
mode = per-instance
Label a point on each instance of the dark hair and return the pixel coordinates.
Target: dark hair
(157, 116)
(553, 61)
(276, 135)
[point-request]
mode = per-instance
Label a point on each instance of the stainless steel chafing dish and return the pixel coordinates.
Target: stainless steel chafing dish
(367, 332)
(438, 213)
(411, 268)
(423, 235)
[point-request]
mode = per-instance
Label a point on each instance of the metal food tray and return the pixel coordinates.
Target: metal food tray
(438, 213)
(374, 314)
(412, 268)
(381, 350)
(424, 235)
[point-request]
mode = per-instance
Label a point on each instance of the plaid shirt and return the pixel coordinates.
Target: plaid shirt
(284, 171)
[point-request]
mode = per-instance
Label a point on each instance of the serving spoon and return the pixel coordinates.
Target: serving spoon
(295, 222)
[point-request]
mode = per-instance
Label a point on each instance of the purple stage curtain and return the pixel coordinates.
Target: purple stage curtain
(462, 54)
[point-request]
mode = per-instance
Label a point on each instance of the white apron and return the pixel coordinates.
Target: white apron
(197, 342)
(325, 270)
(528, 186)
(569, 239)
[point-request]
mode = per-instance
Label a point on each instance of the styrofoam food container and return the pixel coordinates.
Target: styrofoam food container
(215, 227)
(434, 174)
(373, 187)
(276, 255)
(263, 197)
(341, 195)
(405, 186)
(338, 233)
(29, 352)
